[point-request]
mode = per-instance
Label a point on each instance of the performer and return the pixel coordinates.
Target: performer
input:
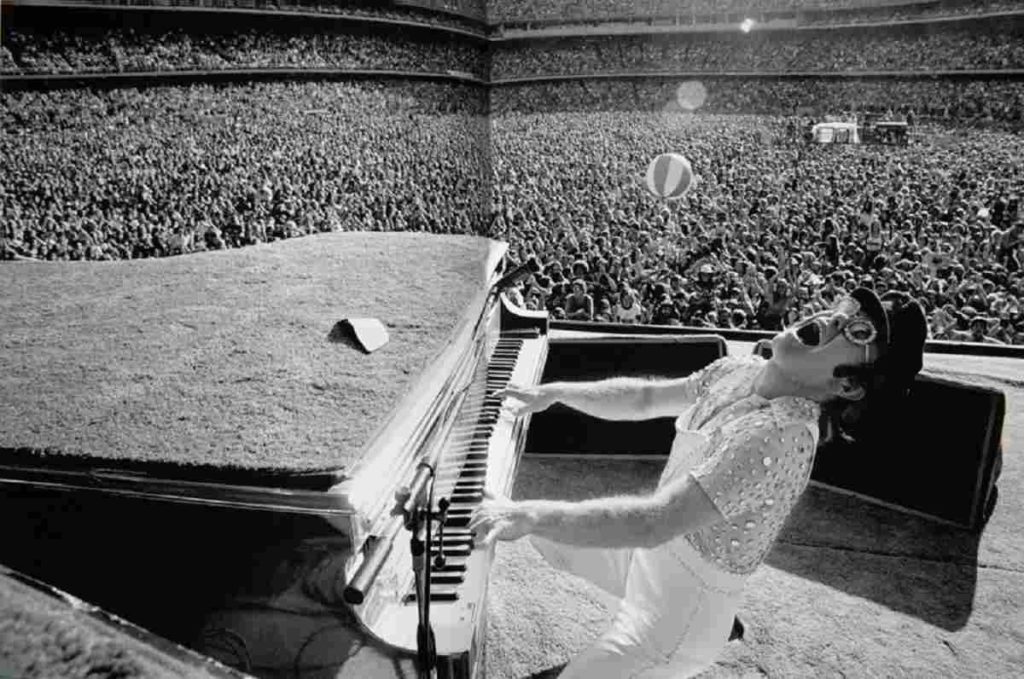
(746, 433)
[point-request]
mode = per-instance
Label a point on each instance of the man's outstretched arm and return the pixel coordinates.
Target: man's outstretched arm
(678, 508)
(618, 398)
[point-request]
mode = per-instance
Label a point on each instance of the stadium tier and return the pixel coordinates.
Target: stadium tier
(553, 12)
(770, 52)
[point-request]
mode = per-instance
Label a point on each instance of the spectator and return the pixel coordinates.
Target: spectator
(628, 308)
(579, 306)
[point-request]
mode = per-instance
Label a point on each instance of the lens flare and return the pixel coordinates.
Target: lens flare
(691, 95)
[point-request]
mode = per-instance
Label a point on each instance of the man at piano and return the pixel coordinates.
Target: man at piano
(746, 434)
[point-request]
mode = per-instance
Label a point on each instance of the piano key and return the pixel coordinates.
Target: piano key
(446, 595)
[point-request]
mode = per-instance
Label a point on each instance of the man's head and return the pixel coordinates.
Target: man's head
(863, 345)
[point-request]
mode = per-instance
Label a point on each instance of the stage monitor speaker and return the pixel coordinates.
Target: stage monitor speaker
(562, 430)
(939, 455)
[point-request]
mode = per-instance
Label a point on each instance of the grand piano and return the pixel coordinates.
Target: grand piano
(194, 446)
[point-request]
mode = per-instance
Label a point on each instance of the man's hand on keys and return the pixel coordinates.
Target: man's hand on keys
(498, 518)
(530, 399)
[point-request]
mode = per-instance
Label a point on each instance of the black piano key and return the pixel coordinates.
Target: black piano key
(443, 596)
(446, 579)
(452, 546)
(474, 499)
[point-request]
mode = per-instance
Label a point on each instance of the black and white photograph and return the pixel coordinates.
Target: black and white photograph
(511, 339)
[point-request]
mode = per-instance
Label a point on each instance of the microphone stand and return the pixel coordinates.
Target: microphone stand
(420, 524)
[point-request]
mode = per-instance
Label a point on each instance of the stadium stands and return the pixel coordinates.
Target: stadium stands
(110, 172)
(57, 50)
(947, 49)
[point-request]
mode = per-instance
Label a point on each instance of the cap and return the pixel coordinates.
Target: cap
(902, 331)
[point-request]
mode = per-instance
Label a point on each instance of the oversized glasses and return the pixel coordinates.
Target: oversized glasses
(859, 329)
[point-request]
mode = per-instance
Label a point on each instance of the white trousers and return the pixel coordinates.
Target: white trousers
(675, 614)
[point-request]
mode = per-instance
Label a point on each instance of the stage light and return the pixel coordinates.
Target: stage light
(747, 25)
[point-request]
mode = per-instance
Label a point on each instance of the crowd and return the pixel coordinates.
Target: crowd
(962, 102)
(124, 49)
(465, 15)
(115, 50)
(710, 11)
(474, 9)
(911, 12)
(553, 168)
(938, 220)
(162, 171)
(125, 173)
(767, 52)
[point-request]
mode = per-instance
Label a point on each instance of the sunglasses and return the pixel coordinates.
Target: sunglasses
(859, 329)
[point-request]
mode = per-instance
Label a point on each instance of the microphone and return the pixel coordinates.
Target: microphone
(527, 268)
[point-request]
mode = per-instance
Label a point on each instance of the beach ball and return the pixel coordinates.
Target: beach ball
(669, 176)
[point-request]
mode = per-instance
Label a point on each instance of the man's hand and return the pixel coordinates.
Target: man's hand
(498, 518)
(531, 399)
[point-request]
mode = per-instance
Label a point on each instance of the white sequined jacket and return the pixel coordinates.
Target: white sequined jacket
(751, 455)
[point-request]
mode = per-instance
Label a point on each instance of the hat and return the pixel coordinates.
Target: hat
(902, 331)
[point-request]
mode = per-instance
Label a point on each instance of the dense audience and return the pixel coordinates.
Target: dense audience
(941, 221)
(126, 173)
(910, 12)
(806, 51)
(475, 9)
(963, 102)
(566, 11)
(553, 168)
(466, 15)
(126, 50)
(123, 49)
(141, 173)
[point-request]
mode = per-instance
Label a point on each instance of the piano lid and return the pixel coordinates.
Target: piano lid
(213, 372)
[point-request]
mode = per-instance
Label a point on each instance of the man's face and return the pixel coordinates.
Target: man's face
(810, 349)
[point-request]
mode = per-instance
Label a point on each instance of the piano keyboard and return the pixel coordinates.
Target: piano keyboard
(463, 473)
(481, 451)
